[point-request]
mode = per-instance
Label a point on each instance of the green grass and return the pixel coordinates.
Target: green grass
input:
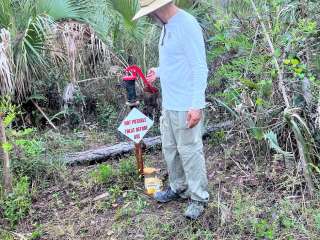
(5, 235)
(16, 205)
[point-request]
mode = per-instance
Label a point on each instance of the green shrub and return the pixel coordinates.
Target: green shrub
(317, 220)
(16, 205)
(36, 234)
(106, 115)
(28, 158)
(37, 169)
(5, 235)
(264, 230)
(31, 148)
(26, 151)
(127, 168)
(103, 174)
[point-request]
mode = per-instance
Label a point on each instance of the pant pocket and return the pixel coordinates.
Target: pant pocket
(188, 136)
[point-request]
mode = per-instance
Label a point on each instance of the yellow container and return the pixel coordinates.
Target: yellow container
(152, 182)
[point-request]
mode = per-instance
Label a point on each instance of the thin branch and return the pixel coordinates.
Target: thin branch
(276, 63)
(45, 116)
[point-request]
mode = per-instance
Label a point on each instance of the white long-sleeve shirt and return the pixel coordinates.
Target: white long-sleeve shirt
(182, 67)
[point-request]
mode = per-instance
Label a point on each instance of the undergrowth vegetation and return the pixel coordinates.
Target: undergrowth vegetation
(61, 64)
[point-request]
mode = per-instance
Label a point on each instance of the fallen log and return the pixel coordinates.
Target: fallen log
(103, 153)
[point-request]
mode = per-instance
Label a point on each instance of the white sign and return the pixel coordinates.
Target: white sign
(135, 125)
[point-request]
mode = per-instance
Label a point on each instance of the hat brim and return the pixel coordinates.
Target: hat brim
(149, 9)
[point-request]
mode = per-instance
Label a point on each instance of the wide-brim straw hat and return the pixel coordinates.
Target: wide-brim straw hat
(149, 6)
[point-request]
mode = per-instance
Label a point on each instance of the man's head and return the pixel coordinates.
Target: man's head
(155, 9)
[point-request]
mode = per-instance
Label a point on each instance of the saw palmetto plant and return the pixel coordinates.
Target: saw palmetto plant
(27, 24)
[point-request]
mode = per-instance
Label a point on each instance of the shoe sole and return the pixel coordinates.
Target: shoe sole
(159, 201)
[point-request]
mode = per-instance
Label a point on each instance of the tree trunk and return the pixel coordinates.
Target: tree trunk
(105, 152)
(7, 178)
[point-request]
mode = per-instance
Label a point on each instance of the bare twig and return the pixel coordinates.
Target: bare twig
(45, 116)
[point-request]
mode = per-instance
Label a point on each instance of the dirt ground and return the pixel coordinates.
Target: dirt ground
(78, 208)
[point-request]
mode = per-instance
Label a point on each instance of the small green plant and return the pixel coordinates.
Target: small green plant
(103, 174)
(17, 204)
(26, 151)
(317, 220)
(217, 137)
(242, 207)
(31, 148)
(287, 222)
(141, 204)
(116, 194)
(5, 235)
(127, 168)
(106, 115)
(264, 230)
(37, 233)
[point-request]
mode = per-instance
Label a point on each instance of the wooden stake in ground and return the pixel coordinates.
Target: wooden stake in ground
(7, 178)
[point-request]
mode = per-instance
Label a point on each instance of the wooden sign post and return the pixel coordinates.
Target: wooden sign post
(135, 126)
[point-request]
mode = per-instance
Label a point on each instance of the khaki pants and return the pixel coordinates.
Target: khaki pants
(183, 152)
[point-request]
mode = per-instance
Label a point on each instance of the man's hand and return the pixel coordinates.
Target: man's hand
(151, 76)
(193, 118)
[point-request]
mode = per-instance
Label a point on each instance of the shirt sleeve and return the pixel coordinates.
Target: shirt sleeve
(194, 49)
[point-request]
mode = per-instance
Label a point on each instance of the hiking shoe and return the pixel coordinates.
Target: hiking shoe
(194, 210)
(166, 196)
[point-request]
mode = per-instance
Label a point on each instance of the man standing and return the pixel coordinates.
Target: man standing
(183, 76)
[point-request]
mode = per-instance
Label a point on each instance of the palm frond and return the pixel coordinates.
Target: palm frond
(290, 114)
(184, 3)
(28, 53)
(33, 25)
(127, 9)
(223, 104)
(63, 9)
(101, 19)
(5, 13)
